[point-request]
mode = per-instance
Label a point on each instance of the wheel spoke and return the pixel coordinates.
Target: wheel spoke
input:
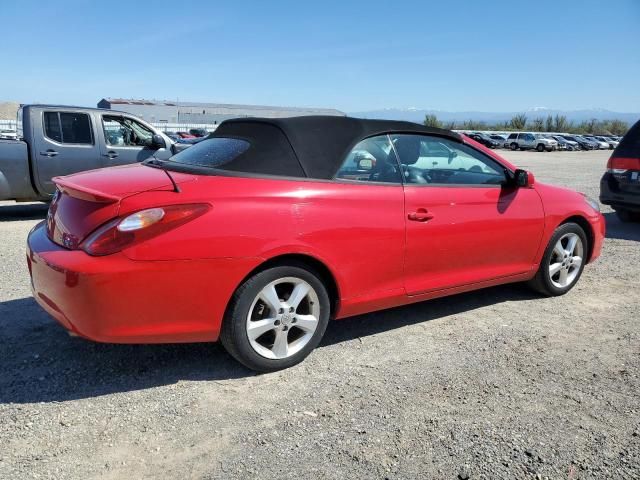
(577, 262)
(554, 268)
(571, 244)
(281, 344)
(559, 249)
(257, 328)
(299, 292)
(269, 296)
(308, 323)
(563, 277)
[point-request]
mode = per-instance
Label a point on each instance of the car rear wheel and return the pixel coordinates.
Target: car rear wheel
(540, 147)
(276, 318)
(562, 262)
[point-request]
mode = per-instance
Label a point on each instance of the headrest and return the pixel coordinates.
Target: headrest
(408, 148)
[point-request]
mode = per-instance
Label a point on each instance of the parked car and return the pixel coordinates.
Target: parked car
(601, 144)
(620, 184)
(185, 135)
(594, 142)
(56, 140)
(173, 136)
(568, 144)
(484, 139)
(190, 141)
(583, 142)
(198, 132)
(559, 145)
(530, 141)
(8, 134)
(498, 138)
(262, 232)
(609, 141)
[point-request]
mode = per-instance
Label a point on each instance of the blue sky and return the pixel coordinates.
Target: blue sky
(462, 55)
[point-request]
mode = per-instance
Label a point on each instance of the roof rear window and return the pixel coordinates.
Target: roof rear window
(212, 152)
(243, 147)
(629, 146)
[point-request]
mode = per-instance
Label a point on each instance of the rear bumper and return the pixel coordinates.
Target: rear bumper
(611, 195)
(117, 300)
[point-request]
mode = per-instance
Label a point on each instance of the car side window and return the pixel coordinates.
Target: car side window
(125, 132)
(68, 127)
(435, 160)
(371, 160)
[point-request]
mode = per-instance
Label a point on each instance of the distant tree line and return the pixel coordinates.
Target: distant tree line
(552, 123)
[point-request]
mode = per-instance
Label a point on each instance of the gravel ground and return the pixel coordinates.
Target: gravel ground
(492, 384)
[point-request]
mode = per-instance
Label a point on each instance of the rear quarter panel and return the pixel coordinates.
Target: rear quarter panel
(356, 230)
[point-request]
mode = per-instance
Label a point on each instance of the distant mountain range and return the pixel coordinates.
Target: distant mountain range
(417, 115)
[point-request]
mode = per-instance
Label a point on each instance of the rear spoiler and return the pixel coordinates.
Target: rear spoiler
(83, 193)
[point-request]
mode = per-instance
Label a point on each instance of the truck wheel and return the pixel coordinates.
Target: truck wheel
(540, 147)
(514, 146)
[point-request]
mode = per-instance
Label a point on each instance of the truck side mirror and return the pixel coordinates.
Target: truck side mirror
(157, 142)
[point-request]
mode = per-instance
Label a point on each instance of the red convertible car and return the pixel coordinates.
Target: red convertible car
(267, 229)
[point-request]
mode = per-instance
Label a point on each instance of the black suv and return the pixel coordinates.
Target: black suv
(620, 185)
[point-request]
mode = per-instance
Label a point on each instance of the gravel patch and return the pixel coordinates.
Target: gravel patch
(498, 383)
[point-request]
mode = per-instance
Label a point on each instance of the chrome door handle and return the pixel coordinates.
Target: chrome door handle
(49, 153)
(110, 154)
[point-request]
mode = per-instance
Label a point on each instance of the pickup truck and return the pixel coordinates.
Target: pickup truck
(57, 140)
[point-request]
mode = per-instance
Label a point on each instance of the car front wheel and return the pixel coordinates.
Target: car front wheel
(562, 262)
(276, 318)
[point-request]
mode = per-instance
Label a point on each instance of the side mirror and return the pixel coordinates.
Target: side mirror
(522, 178)
(365, 164)
(157, 142)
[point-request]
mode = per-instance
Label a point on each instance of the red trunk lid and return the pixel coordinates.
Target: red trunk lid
(86, 200)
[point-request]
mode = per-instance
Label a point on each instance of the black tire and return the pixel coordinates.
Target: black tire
(542, 282)
(514, 146)
(627, 216)
(234, 335)
(540, 147)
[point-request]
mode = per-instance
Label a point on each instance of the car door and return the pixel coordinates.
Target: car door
(368, 228)
(127, 140)
(463, 224)
(64, 143)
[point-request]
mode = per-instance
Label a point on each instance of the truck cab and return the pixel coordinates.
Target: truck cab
(60, 140)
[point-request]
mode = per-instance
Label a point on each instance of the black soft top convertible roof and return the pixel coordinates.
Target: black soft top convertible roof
(315, 146)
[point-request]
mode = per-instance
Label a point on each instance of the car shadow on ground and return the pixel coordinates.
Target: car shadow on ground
(620, 230)
(42, 363)
(18, 211)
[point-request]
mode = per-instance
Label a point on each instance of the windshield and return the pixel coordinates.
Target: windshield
(212, 152)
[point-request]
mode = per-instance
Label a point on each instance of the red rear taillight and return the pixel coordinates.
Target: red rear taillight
(124, 232)
(621, 164)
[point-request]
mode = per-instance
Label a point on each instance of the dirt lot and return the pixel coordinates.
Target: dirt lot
(498, 383)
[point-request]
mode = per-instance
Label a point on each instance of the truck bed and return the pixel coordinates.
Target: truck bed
(15, 179)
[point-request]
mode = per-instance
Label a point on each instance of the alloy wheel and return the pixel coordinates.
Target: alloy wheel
(283, 318)
(566, 260)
